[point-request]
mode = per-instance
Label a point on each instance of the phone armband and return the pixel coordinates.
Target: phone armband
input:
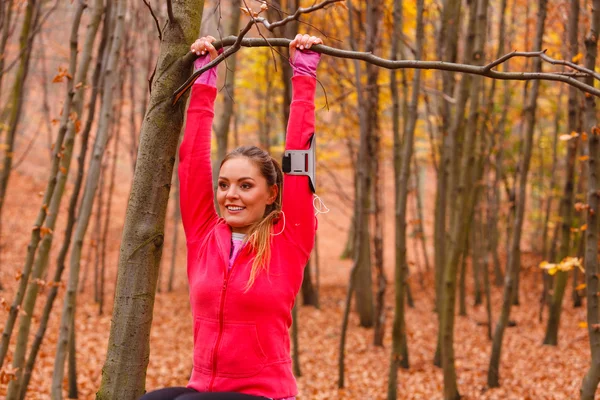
(301, 162)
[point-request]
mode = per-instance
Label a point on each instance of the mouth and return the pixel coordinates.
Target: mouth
(234, 209)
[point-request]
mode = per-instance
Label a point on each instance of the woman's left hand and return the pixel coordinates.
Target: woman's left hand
(303, 42)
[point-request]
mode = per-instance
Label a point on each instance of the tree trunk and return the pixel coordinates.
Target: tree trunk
(344, 330)
(566, 203)
(86, 54)
(447, 51)
(107, 213)
(546, 250)
(465, 191)
(513, 262)
(110, 80)
(308, 291)
(72, 362)
(124, 372)
(25, 47)
(453, 151)
(295, 344)
(419, 214)
(402, 163)
(7, 10)
(176, 221)
(378, 194)
(41, 261)
(17, 95)
(592, 377)
(367, 109)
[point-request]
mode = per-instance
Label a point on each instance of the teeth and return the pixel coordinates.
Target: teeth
(235, 208)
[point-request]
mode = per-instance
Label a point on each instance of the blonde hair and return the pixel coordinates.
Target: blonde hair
(259, 235)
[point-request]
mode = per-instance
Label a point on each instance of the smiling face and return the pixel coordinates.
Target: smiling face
(243, 193)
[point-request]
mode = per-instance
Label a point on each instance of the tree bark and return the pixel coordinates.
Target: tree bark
(568, 198)
(402, 163)
(78, 101)
(41, 261)
(362, 255)
(466, 193)
(513, 262)
(26, 38)
(592, 377)
(453, 142)
(110, 79)
(124, 372)
(447, 51)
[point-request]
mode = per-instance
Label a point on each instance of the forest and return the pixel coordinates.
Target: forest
(458, 187)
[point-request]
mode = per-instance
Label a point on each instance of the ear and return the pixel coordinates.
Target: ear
(273, 192)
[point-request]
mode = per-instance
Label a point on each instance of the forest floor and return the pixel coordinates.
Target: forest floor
(529, 370)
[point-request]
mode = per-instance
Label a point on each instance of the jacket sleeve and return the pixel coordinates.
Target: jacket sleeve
(195, 175)
(297, 196)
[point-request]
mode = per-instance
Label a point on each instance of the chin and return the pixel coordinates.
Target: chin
(237, 224)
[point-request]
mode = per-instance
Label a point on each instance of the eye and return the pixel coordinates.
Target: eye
(246, 186)
(223, 185)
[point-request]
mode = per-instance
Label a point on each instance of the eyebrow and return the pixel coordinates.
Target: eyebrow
(243, 178)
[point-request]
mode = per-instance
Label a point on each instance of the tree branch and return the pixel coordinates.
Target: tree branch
(170, 11)
(485, 70)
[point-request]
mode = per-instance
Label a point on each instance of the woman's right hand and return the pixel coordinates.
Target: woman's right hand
(203, 45)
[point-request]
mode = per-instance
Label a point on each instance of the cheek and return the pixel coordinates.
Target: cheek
(220, 197)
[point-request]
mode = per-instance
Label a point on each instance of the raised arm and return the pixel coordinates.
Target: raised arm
(196, 200)
(297, 196)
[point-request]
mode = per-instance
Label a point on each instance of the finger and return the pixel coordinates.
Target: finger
(295, 42)
(305, 39)
(212, 51)
(211, 38)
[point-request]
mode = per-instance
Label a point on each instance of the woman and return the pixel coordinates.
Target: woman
(245, 267)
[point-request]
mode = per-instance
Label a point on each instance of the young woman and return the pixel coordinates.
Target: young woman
(245, 267)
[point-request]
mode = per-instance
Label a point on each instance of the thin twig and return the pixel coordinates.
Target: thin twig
(571, 65)
(155, 19)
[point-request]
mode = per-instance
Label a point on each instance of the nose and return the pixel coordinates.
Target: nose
(232, 192)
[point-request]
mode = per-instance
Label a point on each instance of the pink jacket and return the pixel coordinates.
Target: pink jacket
(241, 340)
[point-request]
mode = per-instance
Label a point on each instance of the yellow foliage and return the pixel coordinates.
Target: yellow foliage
(567, 264)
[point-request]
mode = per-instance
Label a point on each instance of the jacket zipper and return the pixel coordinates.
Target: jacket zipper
(221, 322)
(214, 368)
